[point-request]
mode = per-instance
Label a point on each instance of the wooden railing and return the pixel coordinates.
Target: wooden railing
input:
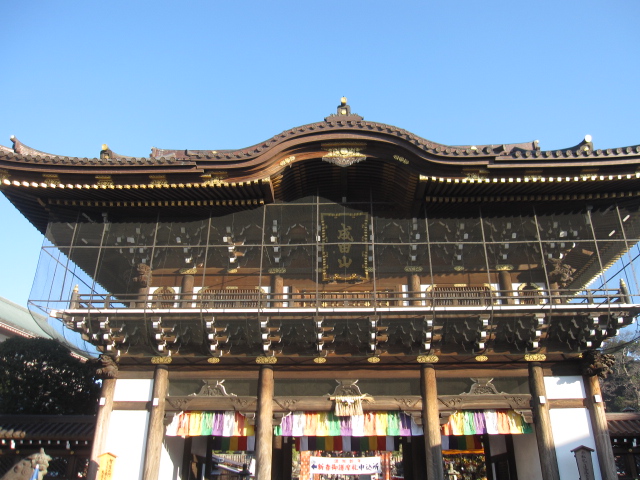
(441, 296)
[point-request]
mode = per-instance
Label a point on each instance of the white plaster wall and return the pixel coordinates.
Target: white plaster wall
(571, 428)
(171, 458)
(127, 439)
(131, 390)
(525, 449)
(564, 387)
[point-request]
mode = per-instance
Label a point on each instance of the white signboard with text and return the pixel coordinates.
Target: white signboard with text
(345, 466)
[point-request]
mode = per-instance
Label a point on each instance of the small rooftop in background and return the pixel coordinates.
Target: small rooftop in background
(47, 427)
(16, 320)
(624, 424)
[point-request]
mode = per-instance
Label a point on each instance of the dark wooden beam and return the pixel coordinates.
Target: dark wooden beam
(407, 403)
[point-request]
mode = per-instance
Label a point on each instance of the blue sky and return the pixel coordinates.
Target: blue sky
(215, 75)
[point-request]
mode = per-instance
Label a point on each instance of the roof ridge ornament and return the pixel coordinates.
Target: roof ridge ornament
(343, 114)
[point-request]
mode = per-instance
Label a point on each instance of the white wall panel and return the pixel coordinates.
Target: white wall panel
(571, 428)
(564, 387)
(132, 390)
(127, 439)
(171, 458)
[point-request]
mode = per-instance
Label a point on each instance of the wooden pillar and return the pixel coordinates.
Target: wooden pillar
(294, 298)
(155, 431)
(431, 423)
(141, 282)
(277, 290)
(556, 292)
(264, 423)
(600, 428)
(102, 425)
(506, 286)
(542, 422)
(186, 290)
(414, 289)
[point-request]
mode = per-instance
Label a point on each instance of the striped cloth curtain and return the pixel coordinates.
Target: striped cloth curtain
(326, 424)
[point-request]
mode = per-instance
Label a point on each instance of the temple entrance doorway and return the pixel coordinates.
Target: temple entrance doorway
(464, 457)
(465, 466)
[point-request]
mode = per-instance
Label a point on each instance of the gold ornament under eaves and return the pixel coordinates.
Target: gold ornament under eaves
(535, 357)
(263, 360)
(427, 359)
(161, 360)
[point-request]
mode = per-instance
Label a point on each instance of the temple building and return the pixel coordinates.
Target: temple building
(343, 297)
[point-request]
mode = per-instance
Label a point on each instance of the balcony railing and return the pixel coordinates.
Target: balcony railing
(445, 296)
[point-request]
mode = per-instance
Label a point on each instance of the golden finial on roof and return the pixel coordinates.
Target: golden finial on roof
(343, 101)
(105, 146)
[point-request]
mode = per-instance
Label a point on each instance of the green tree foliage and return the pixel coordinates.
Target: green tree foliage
(621, 388)
(39, 376)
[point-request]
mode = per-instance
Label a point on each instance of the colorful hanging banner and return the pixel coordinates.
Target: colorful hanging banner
(327, 425)
(217, 424)
(462, 444)
(493, 422)
(345, 466)
(347, 444)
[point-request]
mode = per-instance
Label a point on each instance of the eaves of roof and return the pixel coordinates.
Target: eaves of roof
(295, 162)
(263, 159)
(623, 424)
(22, 319)
(47, 427)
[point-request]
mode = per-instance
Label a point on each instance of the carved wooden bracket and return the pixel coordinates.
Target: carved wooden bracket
(411, 404)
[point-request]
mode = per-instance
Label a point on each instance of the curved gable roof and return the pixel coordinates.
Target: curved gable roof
(341, 156)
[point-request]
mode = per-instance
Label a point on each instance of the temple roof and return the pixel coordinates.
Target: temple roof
(47, 427)
(16, 320)
(338, 157)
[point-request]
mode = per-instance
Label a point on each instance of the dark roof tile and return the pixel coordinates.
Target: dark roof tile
(47, 427)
